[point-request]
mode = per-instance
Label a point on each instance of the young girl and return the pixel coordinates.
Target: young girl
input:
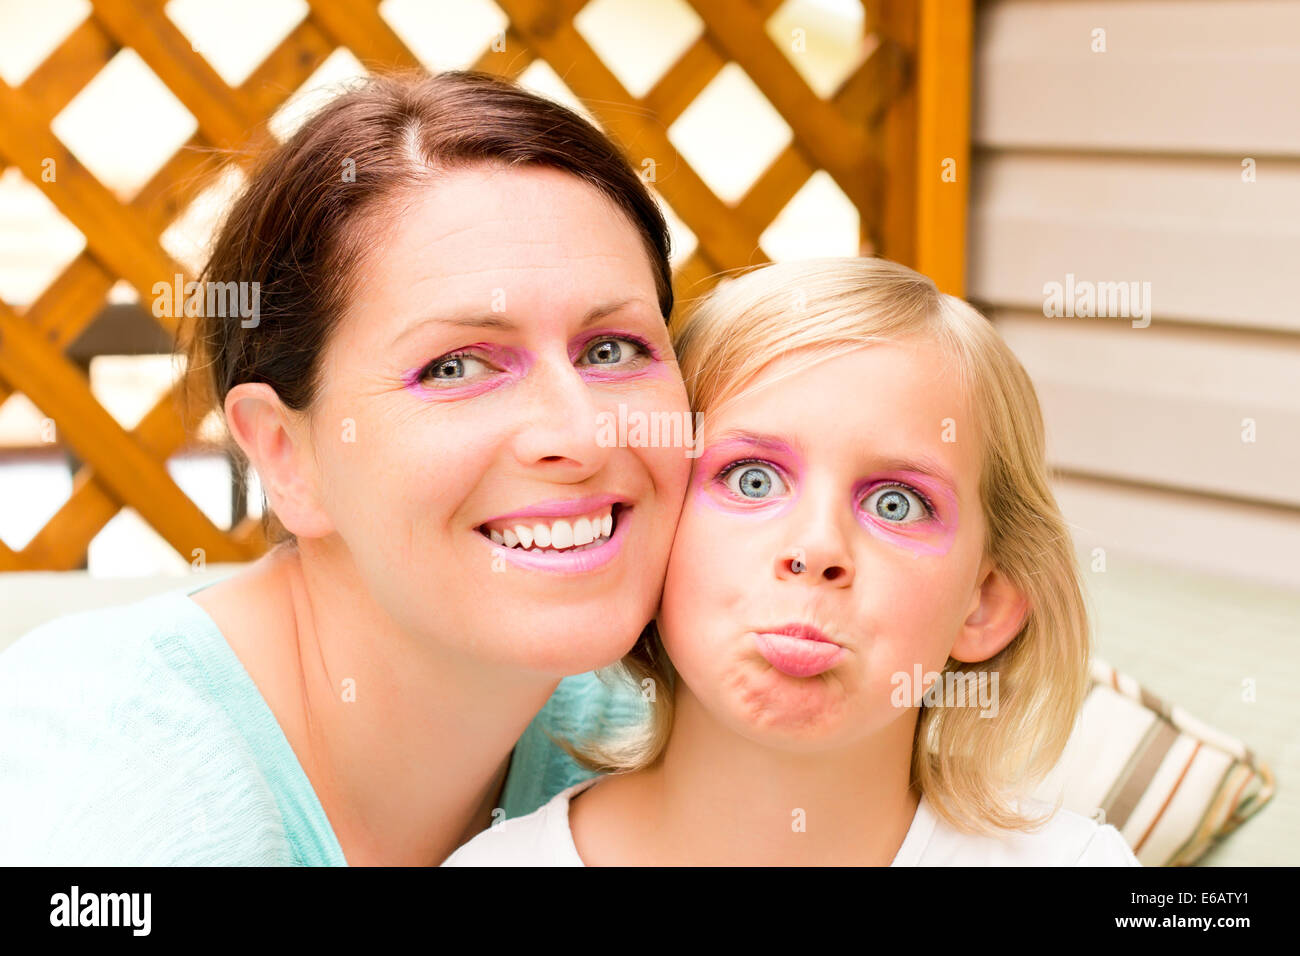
(875, 626)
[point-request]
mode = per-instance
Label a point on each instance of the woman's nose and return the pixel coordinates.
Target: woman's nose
(560, 425)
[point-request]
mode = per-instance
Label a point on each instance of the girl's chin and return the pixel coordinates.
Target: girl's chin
(774, 709)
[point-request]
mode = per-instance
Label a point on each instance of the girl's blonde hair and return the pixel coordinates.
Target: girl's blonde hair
(969, 767)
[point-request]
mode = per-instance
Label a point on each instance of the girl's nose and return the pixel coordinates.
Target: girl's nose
(818, 543)
(801, 564)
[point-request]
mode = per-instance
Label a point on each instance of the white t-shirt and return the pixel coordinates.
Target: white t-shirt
(543, 838)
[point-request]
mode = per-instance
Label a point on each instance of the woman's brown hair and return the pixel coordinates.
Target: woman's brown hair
(315, 207)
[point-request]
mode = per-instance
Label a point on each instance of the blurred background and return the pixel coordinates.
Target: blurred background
(1001, 146)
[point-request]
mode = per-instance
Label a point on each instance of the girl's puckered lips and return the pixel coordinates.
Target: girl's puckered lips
(805, 631)
(797, 650)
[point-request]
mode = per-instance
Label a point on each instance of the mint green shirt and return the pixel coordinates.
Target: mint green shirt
(134, 736)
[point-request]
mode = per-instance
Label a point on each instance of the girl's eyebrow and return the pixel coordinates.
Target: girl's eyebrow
(923, 464)
(770, 442)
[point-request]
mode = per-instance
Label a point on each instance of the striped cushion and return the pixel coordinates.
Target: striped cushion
(1169, 783)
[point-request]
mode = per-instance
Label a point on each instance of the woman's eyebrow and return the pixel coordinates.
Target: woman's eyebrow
(497, 320)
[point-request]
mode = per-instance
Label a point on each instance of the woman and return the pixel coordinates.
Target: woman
(455, 280)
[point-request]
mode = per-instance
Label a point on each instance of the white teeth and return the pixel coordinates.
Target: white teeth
(582, 532)
(560, 535)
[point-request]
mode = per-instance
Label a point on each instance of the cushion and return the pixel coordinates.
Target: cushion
(1169, 783)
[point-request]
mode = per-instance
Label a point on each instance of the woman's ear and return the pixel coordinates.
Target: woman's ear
(278, 445)
(997, 613)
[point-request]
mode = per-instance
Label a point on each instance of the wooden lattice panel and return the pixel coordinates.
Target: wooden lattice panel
(865, 136)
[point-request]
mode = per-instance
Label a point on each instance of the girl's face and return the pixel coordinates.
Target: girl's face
(845, 468)
(505, 312)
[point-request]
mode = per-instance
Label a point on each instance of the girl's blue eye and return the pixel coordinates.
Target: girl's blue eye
(609, 351)
(753, 480)
(897, 504)
(450, 368)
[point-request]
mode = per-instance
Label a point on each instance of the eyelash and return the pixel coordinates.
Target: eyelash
(924, 499)
(643, 346)
(921, 495)
(425, 372)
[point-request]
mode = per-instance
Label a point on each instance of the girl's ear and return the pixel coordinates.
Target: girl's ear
(997, 613)
(278, 445)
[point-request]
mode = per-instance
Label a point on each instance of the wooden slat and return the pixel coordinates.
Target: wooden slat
(117, 236)
(1165, 406)
(684, 81)
(892, 231)
(65, 72)
(70, 303)
(839, 147)
(176, 183)
(62, 543)
(943, 135)
(727, 241)
(774, 189)
(1214, 249)
(287, 67)
(867, 92)
(222, 116)
(359, 27)
(1214, 77)
(510, 62)
(1218, 537)
(132, 475)
(9, 561)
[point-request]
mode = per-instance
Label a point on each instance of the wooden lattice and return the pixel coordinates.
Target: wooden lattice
(902, 109)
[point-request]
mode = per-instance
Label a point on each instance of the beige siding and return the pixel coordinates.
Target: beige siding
(1126, 166)
(1213, 77)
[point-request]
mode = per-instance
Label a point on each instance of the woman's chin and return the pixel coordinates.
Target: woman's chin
(564, 651)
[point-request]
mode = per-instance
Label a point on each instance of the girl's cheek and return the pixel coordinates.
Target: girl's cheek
(936, 540)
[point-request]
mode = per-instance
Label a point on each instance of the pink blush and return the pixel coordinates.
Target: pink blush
(710, 491)
(511, 361)
(931, 535)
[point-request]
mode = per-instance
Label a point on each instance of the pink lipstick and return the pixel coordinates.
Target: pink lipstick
(798, 650)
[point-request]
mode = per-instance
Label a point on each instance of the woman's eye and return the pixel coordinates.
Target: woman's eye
(896, 504)
(754, 481)
(613, 352)
(451, 368)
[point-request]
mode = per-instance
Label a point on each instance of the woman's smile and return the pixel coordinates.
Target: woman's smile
(573, 537)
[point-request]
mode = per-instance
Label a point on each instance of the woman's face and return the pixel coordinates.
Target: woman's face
(837, 466)
(504, 313)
